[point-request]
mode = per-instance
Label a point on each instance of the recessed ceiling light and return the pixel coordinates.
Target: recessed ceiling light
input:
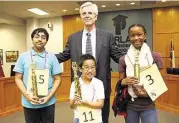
(64, 10)
(38, 11)
(103, 6)
(76, 9)
(132, 3)
(164, 0)
(118, 4)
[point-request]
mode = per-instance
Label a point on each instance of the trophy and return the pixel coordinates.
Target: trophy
(172, 54)
(34, 84)
(37, 84)
(76, 80)
(136, 65)
(34, 80)
(139, 89)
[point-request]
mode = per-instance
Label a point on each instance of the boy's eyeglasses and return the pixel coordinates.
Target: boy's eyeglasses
(38, 36)
(87, 68)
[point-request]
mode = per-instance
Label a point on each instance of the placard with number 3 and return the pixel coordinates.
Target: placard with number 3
(153, 82)
(88, 115)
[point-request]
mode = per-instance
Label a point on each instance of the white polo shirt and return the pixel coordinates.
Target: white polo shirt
(90, 92)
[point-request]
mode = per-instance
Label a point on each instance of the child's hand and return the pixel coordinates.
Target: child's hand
(43, 100)
(139, 90)
(32, 99)
(130, 81)
(77, 97)
(78, 100)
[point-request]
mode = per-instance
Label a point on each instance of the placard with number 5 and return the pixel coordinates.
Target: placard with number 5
(153, 82)
(42, 78)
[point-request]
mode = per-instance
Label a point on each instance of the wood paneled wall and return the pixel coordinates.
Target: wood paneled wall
(71, 24)
(62, 94)
(166, 25)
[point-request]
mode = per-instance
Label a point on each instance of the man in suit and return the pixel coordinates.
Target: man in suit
(102, 47)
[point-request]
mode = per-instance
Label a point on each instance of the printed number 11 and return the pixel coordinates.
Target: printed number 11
(90, 113)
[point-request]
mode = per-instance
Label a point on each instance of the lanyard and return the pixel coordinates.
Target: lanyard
(133, 64)
(45, 58)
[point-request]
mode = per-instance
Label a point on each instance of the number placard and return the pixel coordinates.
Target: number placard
(153, 82)
(42, 78)
(88, 115)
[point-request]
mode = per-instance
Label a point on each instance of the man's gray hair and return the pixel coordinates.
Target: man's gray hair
(95, 7)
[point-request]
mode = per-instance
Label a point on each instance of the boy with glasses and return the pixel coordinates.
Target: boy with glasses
(92, 93)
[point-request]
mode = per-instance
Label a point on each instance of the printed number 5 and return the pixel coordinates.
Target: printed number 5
(150, 79)
(41, 79)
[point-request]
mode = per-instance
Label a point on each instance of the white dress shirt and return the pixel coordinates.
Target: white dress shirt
(93, 41)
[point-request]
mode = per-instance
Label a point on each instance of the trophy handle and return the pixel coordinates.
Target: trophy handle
(76, 80)
(34, 84)
(137, 65)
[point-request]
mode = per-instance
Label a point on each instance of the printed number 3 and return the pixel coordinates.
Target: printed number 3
(41, 79)
(150, 79)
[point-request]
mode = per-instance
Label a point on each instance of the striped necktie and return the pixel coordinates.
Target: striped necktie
(88, 44)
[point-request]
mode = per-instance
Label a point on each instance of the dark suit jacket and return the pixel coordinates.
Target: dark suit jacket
(105, 49)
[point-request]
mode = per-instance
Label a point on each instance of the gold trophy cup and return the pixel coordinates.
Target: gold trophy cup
(137, 66)
(76, 80)
(34, 84)
(138, 89)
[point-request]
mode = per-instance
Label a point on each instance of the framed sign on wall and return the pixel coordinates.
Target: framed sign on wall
(12, 56)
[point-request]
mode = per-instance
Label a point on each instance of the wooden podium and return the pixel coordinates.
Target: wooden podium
(10, 96)
(169, 101)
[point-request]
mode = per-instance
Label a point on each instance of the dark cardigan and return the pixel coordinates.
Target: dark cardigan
(120, 100)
